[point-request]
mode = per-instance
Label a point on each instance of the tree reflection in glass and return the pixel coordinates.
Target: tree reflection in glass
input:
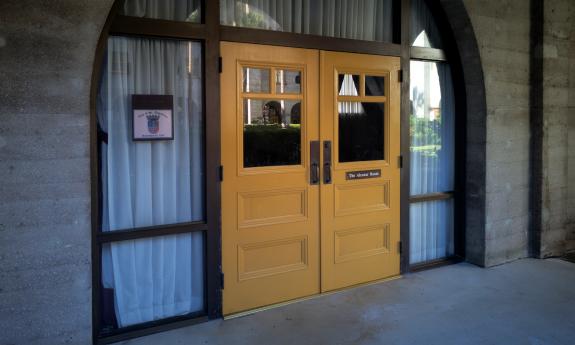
(272, 133)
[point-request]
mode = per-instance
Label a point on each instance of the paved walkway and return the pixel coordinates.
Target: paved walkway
(528, 302)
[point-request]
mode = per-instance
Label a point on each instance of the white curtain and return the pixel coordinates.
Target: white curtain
(432, 159)
(431, 231)
(177, 10)
(423, 23)
(432, 128)
(370, 20)
(152, 183)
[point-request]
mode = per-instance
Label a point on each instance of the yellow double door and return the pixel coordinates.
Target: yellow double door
(310, 191)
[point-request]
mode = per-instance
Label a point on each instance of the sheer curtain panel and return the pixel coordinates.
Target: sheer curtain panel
(369, 20)
(424, 30)
(431, 231)
(152, 183)
(176, 10)
(432, 131)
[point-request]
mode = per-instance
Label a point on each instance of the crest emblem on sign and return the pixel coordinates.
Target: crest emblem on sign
(153, 122)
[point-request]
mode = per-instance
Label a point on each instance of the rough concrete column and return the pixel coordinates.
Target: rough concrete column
(571, 138)
(46, 56)
(502, 31)
(558, 230)
(472, 77)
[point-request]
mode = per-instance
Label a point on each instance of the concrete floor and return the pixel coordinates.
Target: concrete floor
(525, 302)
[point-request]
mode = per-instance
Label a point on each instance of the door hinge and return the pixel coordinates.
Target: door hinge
(400, 76)
(221, 172)
(221, 280)
(399, 247)
(220, 64)
(400, 161)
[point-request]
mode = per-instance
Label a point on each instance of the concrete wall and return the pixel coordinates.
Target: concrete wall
(558, 228)
(502, 32)
(46, 55)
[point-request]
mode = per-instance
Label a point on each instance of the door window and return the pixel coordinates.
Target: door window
(361, 117)
(360, 131)
(272, 132)
(272, 116)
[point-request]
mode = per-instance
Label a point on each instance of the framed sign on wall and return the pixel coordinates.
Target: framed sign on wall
(153, 117)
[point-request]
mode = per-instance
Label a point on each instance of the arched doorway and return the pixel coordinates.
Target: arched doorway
(182, 41)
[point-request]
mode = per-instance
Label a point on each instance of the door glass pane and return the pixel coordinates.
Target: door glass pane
(256, 80)
(272, 133)
(348, 84)
(424, 30)
(151, 278)
(361, 131)
(374, 85)
(176, 10)
(150, 183)
(431, 230)
(288, 81)
(356, 19)
(432, 130)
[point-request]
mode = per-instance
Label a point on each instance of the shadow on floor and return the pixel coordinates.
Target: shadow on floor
(525, 302)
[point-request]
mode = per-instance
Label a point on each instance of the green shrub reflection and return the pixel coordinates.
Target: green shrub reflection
(271, 145)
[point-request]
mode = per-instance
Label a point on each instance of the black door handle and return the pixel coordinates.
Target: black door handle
(314, 162)
(327, 162)
(314, 173)
(327, 173)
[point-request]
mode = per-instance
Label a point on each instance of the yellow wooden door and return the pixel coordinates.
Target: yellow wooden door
(359, 126)
(270, 208)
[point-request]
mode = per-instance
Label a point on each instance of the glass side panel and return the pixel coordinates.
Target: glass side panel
(431, 230)
(272, 133)
(151, 183)
(256, 80)
(151, 279)
(348, 84)
(424, 30)
(374, 85)
(432, 128)
(355, 19)
(288, 81)
(176, 10)
(361, 131)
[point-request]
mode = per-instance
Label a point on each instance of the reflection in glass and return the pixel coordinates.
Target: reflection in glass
(288, 81)
(348, 84)
(361, 131)
(424, 30)
(356, 19)
(176, 10)
(256, 80)
(431, 128)
(151, 278)
(374, 85)
(431, 230)
(272, 134)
